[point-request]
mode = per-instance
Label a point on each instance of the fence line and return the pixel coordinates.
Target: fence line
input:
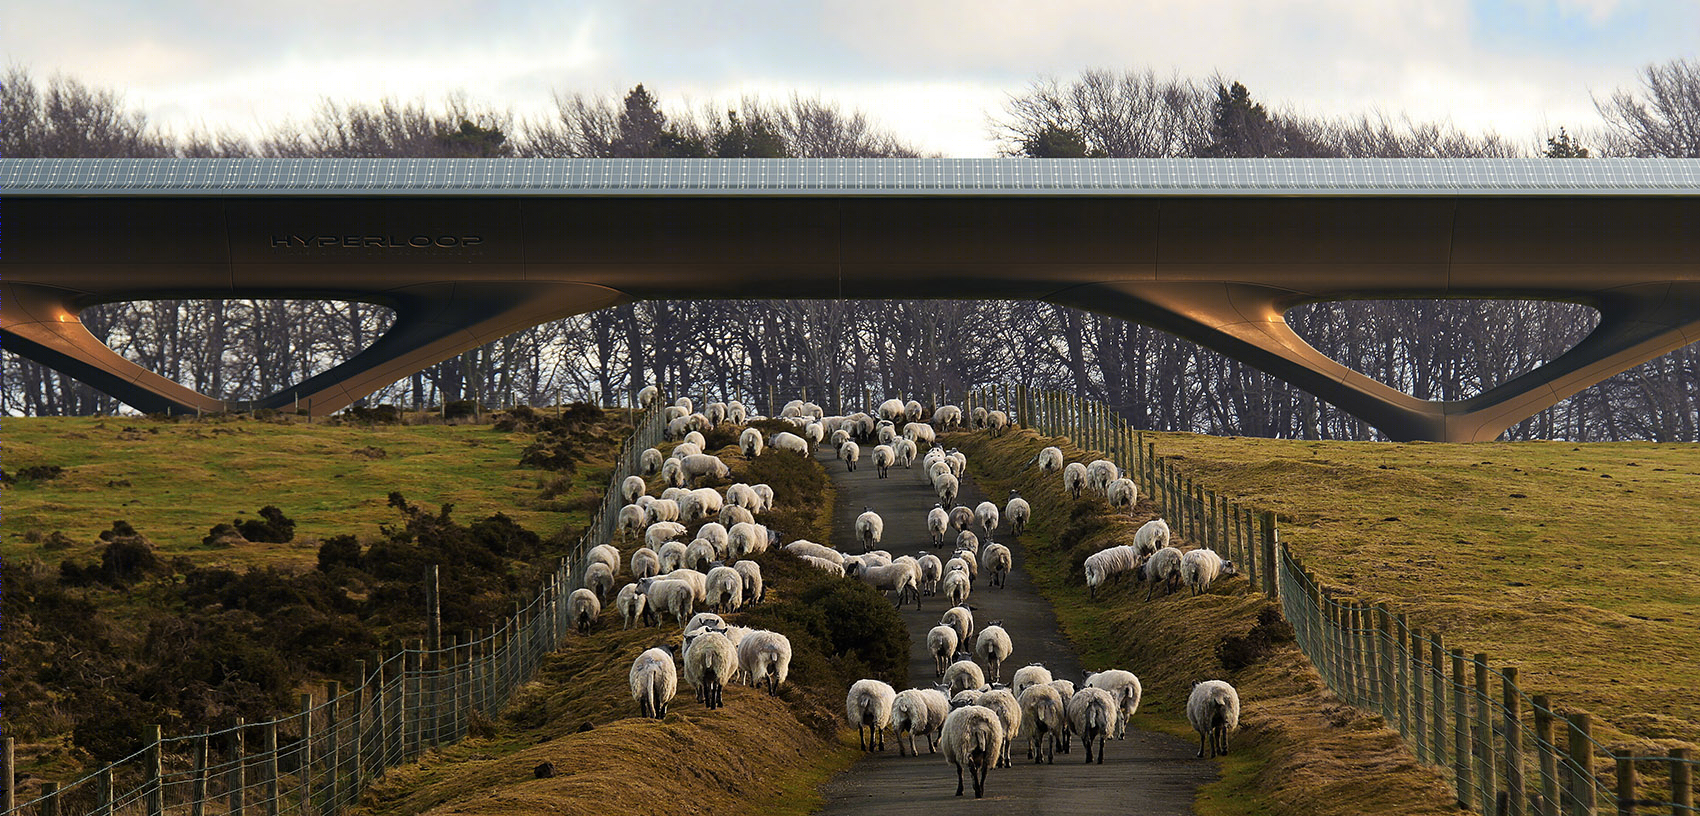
(321, 758)
(1501, 748)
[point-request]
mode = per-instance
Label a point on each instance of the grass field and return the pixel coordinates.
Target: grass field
(1575, 563)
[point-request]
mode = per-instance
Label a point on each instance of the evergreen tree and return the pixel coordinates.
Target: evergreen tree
(1056, 142)
(1564, 147)
(641, 126)
(473, 142)
(1239, 127)
(756, 140)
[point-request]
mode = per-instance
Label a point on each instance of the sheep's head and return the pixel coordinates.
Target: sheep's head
(1228, 568)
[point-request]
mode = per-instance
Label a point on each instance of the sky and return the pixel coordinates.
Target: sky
(932, 71)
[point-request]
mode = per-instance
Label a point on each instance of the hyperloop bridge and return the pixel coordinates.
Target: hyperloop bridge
(1216, 251)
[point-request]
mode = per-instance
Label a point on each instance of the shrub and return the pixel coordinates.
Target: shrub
(461, 409)
(374, 415)
(272, 526)
(1271, 630)
(223, 535)
(32, 473)
(340, 550)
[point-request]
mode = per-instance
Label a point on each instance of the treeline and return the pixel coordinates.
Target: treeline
(1431, 348)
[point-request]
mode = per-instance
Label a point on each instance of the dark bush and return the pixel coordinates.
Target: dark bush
(223, 535)
(57, 540)
(1271, 630)
(554, 451)
(461, 409)
(340, 550)
(375, 415)
(119, 528)
(272, 526)
(502, 536)
(127, 559)
(33, 473)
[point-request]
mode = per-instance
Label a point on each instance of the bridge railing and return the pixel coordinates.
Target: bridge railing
(1504, 751)
(322, 757)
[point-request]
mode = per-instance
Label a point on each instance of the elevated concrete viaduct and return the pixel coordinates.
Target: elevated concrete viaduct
(1216, 251)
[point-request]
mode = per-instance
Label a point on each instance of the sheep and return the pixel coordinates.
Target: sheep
(913, 410)
(1201, 568)
(683, 402)
(1074, 478)
(1100, 473)
(1042, 711)
(997, 422)
(700, 504)
(715, 533)
(999, 561)
(672, 413)
(1031, 674)
(631, 603)
(654, 681)
(672, 472)
(970, 561)
(791, 409)
(870, 528)
(1214, 711)
(645, 563)
(960, 619)
(696, 440)
(787, 441)
(750, 442)
(1109, 561)
(815, 432)
(993, 647)
(662, 510)
(661, 531)
(972, 737)
(918, 711)
(892, 410)
(941, 644)
(886, 433)
(831, 567)
(977, 418)
(1122, 494)
(961, 517)
(802, 547)
(710, 660)
(1050, 460)
(1124, 688)
(946, 486)
(1065, 689)
(754, 590)
(599, 580)
(955, 586)
(725, 589)
(903, 452)
(649, 462)
(746, 539)
(583, 608)
(715, 411)
(765, 493)
(902, 577)
(765, 659)
(849, 453)
(674, 493)
(986, 515)
(839, 437)
(958, 462)
(932, 569)
(632, 519)
(1008, 709)
(671, 556)
(868, 705)
(1163, 567)
(938, 524)
(919, 432)
(697, 581)
(605, 554)
(705, 620)
(632, 488)
(704, 466)
(678, 425)
(947, 417)
(1018, 511)
(736, 413)
(1091, 714)
(1152, 536)
(962, 675)
(745, 496)
(884, 458)
(936, 468)
(647, 395)
(670, 595)
(732, 515)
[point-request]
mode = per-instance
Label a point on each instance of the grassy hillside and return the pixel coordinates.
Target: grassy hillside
(1575, 563)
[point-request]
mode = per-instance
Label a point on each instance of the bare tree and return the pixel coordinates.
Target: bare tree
(1663, 120)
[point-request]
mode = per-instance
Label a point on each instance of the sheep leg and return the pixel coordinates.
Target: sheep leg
(1086, 740)
(1201, 738)
(1100, 748)
(979, 772)
(1051, 750)
(958, 779)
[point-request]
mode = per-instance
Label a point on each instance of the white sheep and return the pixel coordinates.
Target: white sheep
(649, 462)
(977, 418)
(815, 432)
(1100, 473)
(958, 462)
(684, 402)
(1050, 460)
(765, 493)
(654, 681)
(715, 533)
(715, 411)
(913, 410)
(632, 519)
(884, 458)
(686, 448)
(1110, 561)
(599, 580)
(1008, 709)
(1074, 478)
(955, 586)
(993, 647)
(870, 528)
(941, 644)
(1152, 536)
(937, 467)
(697, 581)
(606, 554)
(647, 395)
(803, 546)
(710, 660)
(745, 496)
(632, 604)
(850, 453)
(961, 676)
(987, 516)
(839, 437)
(947, 417)
(999, 561)
(645, 563)
(699, 504)
(696, 438)
(674, 494)
(1122, 494)
(787, 441)
(918, 711)
(672, 472)
(868, 705)
(750, 442)
(632, 488)
(746, 539)
(938, 524)
(960, 619)
(583, 608)
(903, 577)
(1043, 713)
(705, 466)
(1163, 567)
(905, 451)
(1032, 674)
(1091, 714)
(765, 658)
(1018, 511)
(970, 560)
(670, 595)
(671, 556)
(973, 738)
(1201, 568)
(824, 565)
(732, 515)
(946, 486)
(705, 620)
(892, 410)
(1214, 711)
(661, 510)
(673, 412)
(661, 532)
(736, 413)
(725, 589)
(754, 591)
(792, 408)
(932, 569)
(919, 432)
(997, 422)
(678, 425)
(1124, 688)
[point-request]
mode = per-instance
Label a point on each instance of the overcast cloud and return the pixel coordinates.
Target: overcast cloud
(930, 70)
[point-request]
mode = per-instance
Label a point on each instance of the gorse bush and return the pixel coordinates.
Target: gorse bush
(272, 526)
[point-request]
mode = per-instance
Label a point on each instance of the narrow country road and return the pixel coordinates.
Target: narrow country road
(1147, 773)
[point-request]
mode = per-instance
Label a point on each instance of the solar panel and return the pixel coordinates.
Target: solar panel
(882, 177)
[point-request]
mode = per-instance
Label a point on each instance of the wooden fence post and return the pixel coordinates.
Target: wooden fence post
(410, 708)
(238, 777)
(433, 643)
(1681, 782)
(103, 791)
(198, 782)
(1546, 756)
(49, 799)
(1419, 676)
(1381, 634)
(333, 732)
(1581, 747)
(152, 765)
(1437, 692)
(1485, 765)
(306, 754)
(1401, 673)
(9, 798)
(268, 767)
(1625, 783)
(1268, 558)
(358, 743)
(1512, 701)
(1461, 733)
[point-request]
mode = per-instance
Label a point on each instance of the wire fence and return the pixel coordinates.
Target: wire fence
(322, 757)
(1505, 752)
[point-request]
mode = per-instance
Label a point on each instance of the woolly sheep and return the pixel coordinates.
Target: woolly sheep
(745, 496)
(962, 675)
(673, 413)
(1103, 564)
(868, 705)
(884, 458)
(697, 581)
(649, 462)
(736, 413)
(684, 449)
(633, 518)
(1124, 688)
(677, 426)
(765, 658)
(792, 408)
(787, 441)
(955, 586)
(583, 608)
(645, 501)
(919, 432)
(654, 681)
(1163, 567)
(892, 410)
(815, 432)
(904, 578)
(696, 439)
(725, 589)
(839, 437)
(732, 515)
(1100, 473)
(663, 510)
(802, 547)
(605, 554)
(1043, 713)
(977, 418)
(1152, 536)
(832, 567)
(750, 442)
(997, 422)
(999, 561)
(661, 531)
(849, 453)
(632, 488)
(958, 462)
(705, 620)
(672, 472)
(647, 395)
(932, 569)
(1032, 674)
(765, 493)
(918, 711)
(961, 517)
(960, 619)
(674, 493)
(671, 556)
(986, 515)
(746, 539)
(1091, 714)
(1065, 689)
(1201, 568)
(1018, 511)
(684, 402)
(1008, 709)
(704, 466)
(700, 504)
(645, 563)
(754, 590)
(903, 452)
(1050, 460)
(715, 411)
(715, 533)
(946, 486)
(993, 647)
(973, 738)
(941, 644)
(1214, 711)
(1122, 494)
(947, 417)
(710, 660)
(631, 603)
(938, 524)
(1074, 478)
(599, 580)
(870, 528)
(970, 559)
(913, 411)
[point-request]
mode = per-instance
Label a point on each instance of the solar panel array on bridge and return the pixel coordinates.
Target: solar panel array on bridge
(850, 176)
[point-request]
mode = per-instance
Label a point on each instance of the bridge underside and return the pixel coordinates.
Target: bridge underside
(1219, 271)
